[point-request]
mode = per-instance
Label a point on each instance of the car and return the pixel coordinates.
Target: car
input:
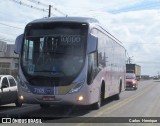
(155, 78)
(131, 81)
(9, 90)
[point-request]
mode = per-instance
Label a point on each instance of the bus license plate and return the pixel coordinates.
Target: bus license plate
(48, 98)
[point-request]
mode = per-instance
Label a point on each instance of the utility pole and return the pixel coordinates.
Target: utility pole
(49, 12)
(129, 60)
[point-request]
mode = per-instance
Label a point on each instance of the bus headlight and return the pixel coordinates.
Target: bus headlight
(80, 98)
(76, 88)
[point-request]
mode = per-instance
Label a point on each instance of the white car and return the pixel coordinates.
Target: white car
(8, 90)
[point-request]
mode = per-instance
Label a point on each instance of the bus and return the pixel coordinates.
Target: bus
(69, 61)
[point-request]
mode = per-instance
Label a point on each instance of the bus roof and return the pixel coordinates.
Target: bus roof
(66, 19)
(74, 19)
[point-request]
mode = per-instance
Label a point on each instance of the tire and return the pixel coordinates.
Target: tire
(117, 96)
(18, 103)
(135, 88)
(97, 105)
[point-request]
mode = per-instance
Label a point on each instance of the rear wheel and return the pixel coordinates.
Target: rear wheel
(117, 96)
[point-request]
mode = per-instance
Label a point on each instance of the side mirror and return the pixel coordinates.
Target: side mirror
(18, 44)
(92, 43)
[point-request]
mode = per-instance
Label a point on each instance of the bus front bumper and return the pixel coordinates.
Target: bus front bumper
(78, 98)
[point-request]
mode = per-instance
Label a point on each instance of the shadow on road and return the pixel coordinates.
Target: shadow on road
(54, 112)
(66, 110)
(6, 107)
(108, 100)
(130, 89)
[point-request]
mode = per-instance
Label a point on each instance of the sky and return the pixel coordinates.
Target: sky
(134, 22)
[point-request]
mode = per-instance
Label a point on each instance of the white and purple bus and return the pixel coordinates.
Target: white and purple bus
(69, 60)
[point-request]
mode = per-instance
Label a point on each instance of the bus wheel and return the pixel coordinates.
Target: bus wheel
(117, 96)
(44, 105)
(97, 105)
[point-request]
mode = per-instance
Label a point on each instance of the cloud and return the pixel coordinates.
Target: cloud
(138, 30)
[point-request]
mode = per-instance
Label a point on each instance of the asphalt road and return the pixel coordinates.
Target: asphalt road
(143, 102)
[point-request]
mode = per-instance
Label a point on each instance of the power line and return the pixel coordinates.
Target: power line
(30, 6)
(38, 2)
(10, 26)
(56, 9)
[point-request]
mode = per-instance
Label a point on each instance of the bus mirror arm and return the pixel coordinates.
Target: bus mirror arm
(18, 44)
(92, 44)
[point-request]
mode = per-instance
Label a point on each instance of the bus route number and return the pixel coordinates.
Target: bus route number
(70, 39)
(39, 91)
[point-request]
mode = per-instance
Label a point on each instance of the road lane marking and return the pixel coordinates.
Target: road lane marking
(118, 105)
(125, 101)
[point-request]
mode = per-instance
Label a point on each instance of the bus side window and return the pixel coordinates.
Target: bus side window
(92, 67)
(92, 62)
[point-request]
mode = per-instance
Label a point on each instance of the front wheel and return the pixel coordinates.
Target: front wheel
(97, 105)
(18, 103)
(135, 88)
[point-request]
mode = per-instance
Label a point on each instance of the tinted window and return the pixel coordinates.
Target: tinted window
(12, 82)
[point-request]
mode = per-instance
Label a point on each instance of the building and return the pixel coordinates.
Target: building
(8, 59)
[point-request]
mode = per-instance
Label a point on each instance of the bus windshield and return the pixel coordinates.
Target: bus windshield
(55, 51)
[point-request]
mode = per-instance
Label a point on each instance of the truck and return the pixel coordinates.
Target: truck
(134, 68)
